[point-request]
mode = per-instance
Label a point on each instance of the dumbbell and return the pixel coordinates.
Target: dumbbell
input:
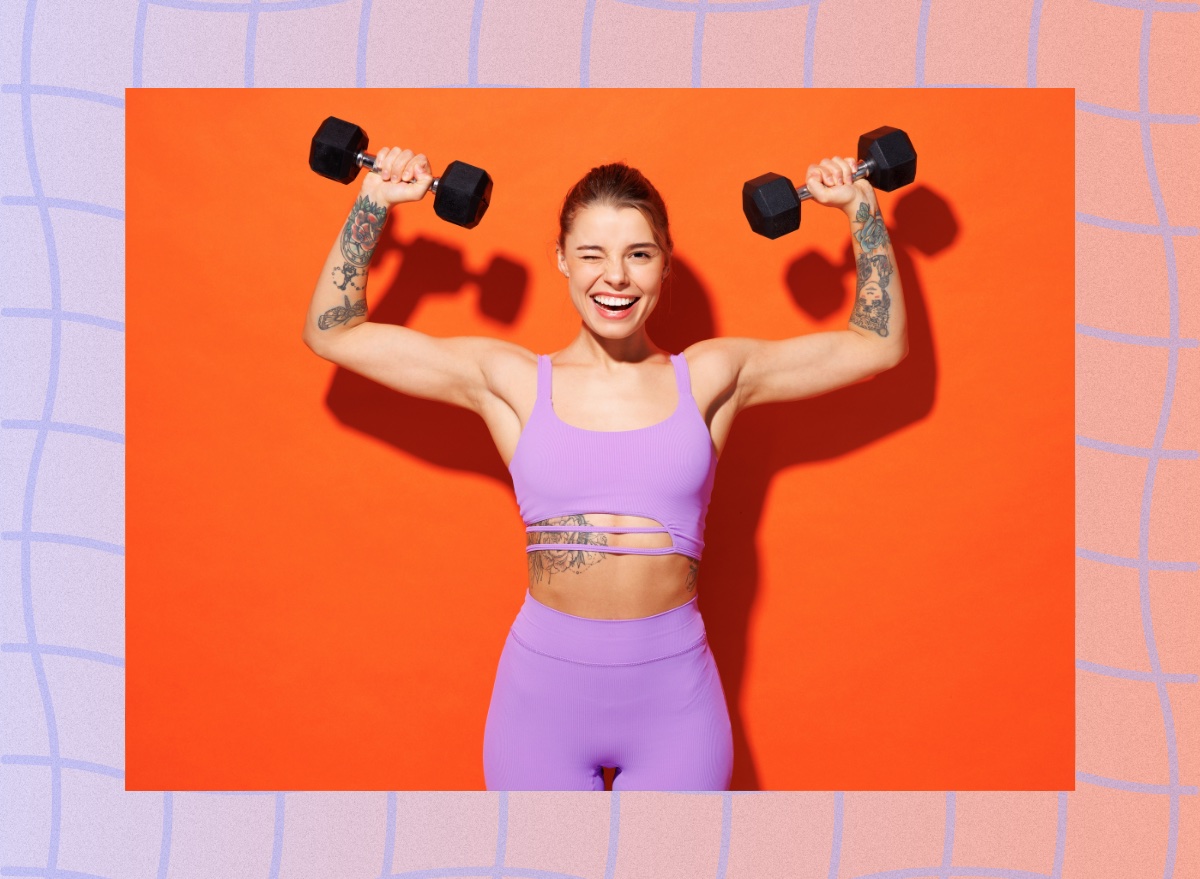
(772, 203)
(461, 194)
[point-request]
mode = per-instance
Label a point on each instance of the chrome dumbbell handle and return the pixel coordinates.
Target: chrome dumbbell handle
(859, 173)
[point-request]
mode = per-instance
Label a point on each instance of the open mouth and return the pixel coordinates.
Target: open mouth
(615, 304)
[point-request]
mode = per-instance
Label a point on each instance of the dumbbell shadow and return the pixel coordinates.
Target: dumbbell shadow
(441, 434)
(920, 219)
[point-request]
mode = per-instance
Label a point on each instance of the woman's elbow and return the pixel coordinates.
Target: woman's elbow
(898, 352)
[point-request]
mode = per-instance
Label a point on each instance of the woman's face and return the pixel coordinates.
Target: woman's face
(610, 253)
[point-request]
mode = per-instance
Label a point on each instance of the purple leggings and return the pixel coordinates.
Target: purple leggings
(574, 695)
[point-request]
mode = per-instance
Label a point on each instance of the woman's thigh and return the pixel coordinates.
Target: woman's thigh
(561, 711)
(680, 736)
(540, 725)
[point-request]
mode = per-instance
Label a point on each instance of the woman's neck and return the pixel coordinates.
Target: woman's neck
(589, 347)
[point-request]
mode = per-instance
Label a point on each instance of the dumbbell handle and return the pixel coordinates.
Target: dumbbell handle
(860, 172)
(366, 160)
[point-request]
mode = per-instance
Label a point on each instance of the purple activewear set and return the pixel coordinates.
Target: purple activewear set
(574, 695)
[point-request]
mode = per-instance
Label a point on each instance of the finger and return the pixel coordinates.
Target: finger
(813, 180)
(412, 168)
(842, 172)
(380, 162)
(400, 163)
(385, 162)
(421, 167)
(392, 164)
(828, 172)
(404, 166)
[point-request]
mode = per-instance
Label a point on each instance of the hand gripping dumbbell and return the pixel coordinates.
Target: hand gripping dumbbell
(461, 194)
(772, 204)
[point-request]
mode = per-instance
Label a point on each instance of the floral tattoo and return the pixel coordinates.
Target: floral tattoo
(360, 235)
(873, 234)
(558, 561)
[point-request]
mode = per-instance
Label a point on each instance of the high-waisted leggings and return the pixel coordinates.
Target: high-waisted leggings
(574, 695)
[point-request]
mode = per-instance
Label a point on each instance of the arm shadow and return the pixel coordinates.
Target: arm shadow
(448, 436)
(768, 439)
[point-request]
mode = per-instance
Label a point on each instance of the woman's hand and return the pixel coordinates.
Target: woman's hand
(401, 176)
(831, 182)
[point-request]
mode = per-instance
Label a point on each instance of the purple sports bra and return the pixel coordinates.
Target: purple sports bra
(662, 472)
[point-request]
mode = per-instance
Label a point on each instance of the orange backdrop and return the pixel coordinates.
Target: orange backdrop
(321, 572)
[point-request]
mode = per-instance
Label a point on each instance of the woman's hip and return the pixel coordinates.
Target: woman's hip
(601, 673)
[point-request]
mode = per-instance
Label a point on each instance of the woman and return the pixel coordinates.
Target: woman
(612, 445)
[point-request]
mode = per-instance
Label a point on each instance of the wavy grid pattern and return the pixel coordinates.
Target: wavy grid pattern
(64, 815)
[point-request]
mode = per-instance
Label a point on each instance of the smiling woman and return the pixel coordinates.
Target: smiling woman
(614, 243)
(612, 444)
(613, 294)
(348, 558)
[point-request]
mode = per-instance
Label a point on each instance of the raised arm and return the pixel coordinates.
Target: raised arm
(876, 338)
(452, 370)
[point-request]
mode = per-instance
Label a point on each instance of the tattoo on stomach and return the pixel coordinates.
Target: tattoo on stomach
(558, 561)
(547, 562)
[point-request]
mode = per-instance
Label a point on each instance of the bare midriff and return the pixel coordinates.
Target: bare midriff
(606, 585)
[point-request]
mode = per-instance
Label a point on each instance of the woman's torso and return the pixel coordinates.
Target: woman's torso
(605, 585)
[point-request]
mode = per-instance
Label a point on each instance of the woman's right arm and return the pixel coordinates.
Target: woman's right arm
(452, 370)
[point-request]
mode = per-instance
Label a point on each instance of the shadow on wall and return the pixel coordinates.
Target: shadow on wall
(448, 436)
(765, 440)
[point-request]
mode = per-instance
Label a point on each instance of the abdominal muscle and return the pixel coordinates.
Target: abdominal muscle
(606, 585)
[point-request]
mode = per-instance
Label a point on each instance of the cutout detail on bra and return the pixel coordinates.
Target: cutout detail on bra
(567, 535)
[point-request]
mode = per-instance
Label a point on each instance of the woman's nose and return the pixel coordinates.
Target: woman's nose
(614, 272)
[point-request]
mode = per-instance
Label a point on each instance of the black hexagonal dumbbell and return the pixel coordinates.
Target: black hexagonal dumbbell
(460, 196)
(772, 203)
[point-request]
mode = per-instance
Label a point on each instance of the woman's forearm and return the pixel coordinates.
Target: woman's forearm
(878, 299)
(339, 300)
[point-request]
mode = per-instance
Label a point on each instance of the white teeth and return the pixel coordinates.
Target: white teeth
(615, 300)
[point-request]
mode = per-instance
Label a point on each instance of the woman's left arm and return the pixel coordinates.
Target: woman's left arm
(876, 338)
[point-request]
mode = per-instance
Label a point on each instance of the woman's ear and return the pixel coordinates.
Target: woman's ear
(562, 263)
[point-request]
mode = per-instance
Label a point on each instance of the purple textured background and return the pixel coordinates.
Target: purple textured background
(63, 71)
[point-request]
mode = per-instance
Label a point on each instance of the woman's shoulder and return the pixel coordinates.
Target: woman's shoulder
(717, 355)
(507, 367)
(503, 355)
(714, 365)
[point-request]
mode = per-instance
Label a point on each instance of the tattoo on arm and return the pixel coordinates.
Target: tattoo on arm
(349, 273)
(558, 561)
(339, 314)
(872, 303)
(360, 236)
(873, 234)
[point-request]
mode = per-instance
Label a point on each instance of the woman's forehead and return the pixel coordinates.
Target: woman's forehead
(623, 224)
